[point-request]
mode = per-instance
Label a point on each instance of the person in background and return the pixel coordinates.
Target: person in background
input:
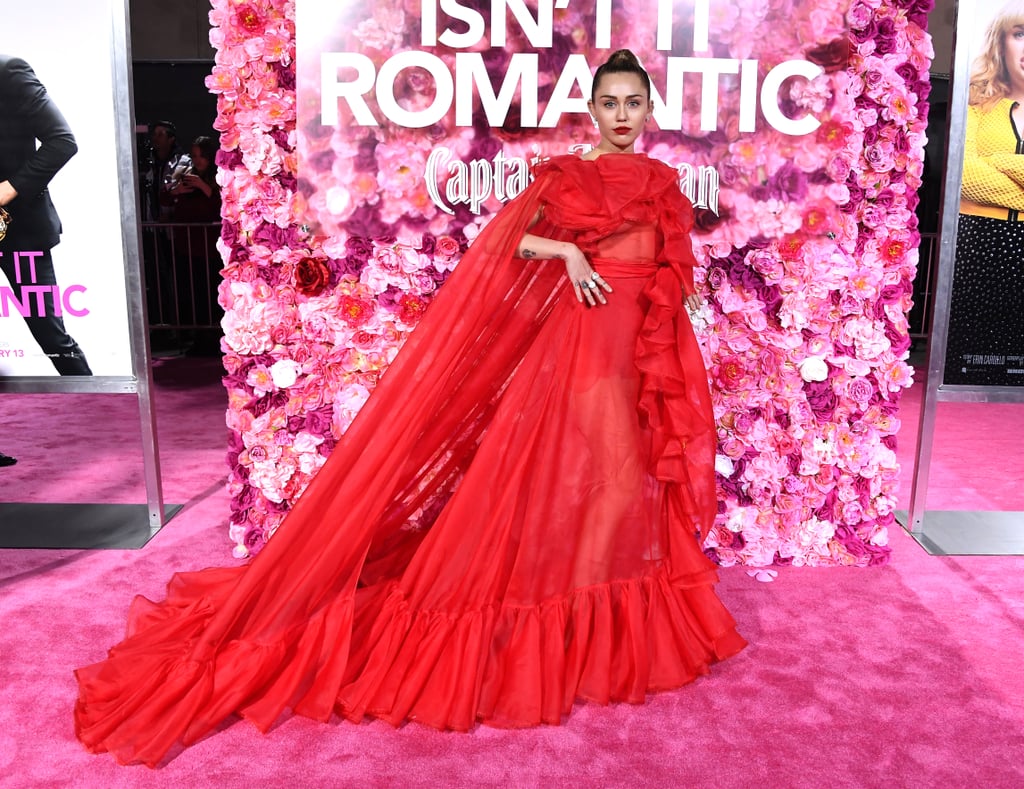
(162, 173)
(196, 197)
(195, 204)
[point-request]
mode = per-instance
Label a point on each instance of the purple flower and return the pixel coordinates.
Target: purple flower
(280, 136)
(366, 157)
(908, 72)
(856, 198)
(899, 340)
(745, 276)
(859, 15)
(234, 381)
(359, 247)
(893, 294)
(254, 540)
(273, 236)
(321, 161)
(228, 160)
(366, 221)
(885, 39)
(271, 275)
(860, 390)
(885, 198)
(879, 158)
(229, 233)
(771, 296)
(349, 266)
(318, 421)
(235, 442)
(821, 397)
(327, 446)
(285, 75)
(246, 498)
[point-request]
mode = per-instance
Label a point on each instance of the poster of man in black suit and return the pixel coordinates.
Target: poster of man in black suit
(35, 143)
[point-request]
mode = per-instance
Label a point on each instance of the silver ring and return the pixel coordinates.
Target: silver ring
(586, 284)
(595, 276)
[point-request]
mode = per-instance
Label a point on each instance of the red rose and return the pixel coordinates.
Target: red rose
(311, 276)
(411, 308)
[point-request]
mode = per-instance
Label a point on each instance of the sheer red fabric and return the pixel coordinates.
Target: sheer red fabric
(568, 456)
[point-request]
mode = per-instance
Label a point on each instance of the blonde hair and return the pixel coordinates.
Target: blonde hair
(990, 79)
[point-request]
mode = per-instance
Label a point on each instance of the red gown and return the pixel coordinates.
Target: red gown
(568, 456)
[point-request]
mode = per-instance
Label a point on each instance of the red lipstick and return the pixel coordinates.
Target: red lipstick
(622, 129)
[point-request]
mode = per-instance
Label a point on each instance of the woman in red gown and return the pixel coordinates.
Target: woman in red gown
(552, 411)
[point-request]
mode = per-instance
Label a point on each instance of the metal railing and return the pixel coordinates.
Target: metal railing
(182, 267)
(920, 317)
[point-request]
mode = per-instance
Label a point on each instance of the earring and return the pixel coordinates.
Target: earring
(594, 120)
(647, 119)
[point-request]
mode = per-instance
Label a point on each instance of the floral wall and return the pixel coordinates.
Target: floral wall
(807, 263)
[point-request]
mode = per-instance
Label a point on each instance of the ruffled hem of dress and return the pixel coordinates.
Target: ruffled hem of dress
(612, 642)
(516, 667)
(171, 682)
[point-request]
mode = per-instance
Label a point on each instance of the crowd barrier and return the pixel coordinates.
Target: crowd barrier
(182, 268)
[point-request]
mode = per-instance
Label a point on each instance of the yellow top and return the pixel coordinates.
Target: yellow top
(993, 180)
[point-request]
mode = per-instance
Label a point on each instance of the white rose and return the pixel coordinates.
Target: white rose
(284, 372)
(724, 465)
(813, 368)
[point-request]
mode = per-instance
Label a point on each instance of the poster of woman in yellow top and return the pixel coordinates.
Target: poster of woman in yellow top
(986, 322)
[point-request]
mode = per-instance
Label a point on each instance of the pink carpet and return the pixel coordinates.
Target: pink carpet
(901, 676)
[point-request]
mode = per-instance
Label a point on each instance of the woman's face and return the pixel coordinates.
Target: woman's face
(200, 164)
(620, 106)
(1013, 55)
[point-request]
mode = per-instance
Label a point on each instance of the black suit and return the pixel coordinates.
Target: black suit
(27, 114)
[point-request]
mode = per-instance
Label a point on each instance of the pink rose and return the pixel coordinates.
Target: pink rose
(446, 247)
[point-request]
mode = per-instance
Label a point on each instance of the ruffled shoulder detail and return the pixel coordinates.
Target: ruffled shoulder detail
(594, 198)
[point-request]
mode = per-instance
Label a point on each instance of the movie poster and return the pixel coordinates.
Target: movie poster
(985, 342)
(62, 293)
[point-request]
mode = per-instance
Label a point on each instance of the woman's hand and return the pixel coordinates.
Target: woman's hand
(586, 283)
(694, 302)
(193, 182)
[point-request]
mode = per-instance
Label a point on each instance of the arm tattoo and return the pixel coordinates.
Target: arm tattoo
(528, 253)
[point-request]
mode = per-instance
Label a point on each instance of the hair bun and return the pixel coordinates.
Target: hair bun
(623, 57)
(621, 61)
